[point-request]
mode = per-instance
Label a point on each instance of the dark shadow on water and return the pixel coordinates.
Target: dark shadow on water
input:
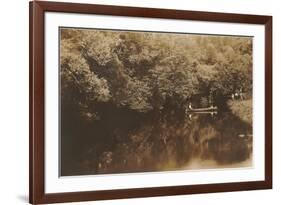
(122, 141)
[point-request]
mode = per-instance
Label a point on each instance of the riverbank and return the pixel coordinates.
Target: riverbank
(242, 109)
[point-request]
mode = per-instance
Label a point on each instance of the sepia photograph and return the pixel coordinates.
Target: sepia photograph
(129, 102)
(146, 101)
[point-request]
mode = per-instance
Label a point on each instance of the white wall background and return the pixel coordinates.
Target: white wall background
(14, 100)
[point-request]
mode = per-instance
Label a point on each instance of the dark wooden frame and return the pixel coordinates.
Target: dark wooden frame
(36, 150)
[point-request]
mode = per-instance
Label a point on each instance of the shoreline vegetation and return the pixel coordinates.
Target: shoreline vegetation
(142, 72)
(242, 109)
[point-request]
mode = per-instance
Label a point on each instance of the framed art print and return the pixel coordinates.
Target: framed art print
(137, 102)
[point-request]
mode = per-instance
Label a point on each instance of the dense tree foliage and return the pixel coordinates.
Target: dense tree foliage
(143, 71)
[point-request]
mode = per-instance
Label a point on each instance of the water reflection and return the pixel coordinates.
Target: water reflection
(156, 142)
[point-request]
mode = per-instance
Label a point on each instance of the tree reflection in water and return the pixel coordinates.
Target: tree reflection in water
(125, 142)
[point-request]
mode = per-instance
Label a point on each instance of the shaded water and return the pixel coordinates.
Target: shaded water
(121, 142)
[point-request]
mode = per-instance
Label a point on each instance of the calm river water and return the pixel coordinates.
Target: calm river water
(124, 143)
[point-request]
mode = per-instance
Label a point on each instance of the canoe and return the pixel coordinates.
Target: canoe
(206, 109)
